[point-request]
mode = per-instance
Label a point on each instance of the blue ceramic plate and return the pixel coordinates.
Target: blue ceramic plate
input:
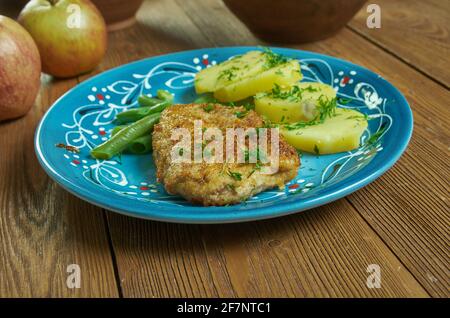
(83, 118)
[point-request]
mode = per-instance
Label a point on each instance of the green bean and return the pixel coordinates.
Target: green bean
(116, 129)
(145, 100)
(122, 139)
(165, 95)
(141, 145)
(135, 114)
(138, 146)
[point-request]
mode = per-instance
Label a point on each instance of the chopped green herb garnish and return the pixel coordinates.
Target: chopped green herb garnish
(300, 124)
(241, 114)
(273, 59)
(208, 108)
(267, 123)
(316, 150)
(235, 175)
(249, 106)
(359, 117)
(327, 108)
(310, 89)
(344, 101)
(375, 138)
(294, 94)
(257, 167)
(228, 74)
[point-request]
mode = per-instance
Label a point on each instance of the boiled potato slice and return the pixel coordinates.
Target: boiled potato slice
(285, 74)
(297, 103)
(212, 78)
(341, 132)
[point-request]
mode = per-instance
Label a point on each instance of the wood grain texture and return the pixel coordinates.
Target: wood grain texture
(418, 32)
(408, 206)
(324, 252)
(43, 229)
(399, 222)
(320, 253)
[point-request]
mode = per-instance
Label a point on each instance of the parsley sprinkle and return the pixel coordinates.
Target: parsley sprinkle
(310, 89)
(228, 74)
(235, 175)
(241, 114)
(249, 106)
(256, 168)
(344, 101)
(273, 59)
(316, 150)
(208, 108)
(359, 117)
(294, 94)
(327, 108)
(375, 138)
(300, 124)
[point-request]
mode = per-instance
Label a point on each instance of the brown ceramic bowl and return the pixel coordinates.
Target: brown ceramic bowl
(294, 21)
(118, 14)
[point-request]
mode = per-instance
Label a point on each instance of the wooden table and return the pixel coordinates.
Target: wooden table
(400, 222)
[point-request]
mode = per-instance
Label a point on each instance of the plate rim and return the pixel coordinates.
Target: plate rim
(266, 212)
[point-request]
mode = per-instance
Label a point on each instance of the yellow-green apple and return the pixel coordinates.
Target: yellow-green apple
(20, 69)
(70, 34)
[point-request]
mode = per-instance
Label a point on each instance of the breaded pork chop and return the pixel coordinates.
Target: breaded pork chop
(215, 183)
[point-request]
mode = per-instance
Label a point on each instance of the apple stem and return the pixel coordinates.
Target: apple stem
(53, 2)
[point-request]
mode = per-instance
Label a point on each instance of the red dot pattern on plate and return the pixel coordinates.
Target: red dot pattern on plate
(76, 162)
(294, 186)
(144, 188)
(100, 96)
(205, 62)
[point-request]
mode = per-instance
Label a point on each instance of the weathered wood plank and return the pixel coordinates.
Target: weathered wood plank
(43, 229)
(320, 253)
(416, 31)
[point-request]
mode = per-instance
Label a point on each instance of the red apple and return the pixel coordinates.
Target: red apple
(70, 34)
(20, 70)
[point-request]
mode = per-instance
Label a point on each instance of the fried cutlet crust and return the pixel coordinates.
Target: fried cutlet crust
(211, 183)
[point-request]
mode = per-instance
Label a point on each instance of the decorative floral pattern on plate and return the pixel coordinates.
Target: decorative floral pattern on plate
(87, 122)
